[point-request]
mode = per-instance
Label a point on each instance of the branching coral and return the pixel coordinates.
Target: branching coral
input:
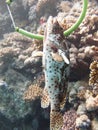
(33, 92)
(88, 52)
(78, 56)
(93, 81)
(86, 31)
(84, 40)
(12, 45)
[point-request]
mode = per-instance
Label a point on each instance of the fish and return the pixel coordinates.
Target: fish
(56, 72)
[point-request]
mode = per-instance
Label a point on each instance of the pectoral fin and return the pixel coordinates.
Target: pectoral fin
(45, 99)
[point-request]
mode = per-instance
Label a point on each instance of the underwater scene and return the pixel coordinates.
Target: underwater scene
(48, 64)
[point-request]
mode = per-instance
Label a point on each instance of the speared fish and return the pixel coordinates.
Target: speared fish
(56, 69)
(56, 72)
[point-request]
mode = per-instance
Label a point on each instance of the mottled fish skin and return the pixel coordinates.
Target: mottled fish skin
(55, 77)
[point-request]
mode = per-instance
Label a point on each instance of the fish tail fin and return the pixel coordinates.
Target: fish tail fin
(45, 99)
(33, 92)
(56, 120)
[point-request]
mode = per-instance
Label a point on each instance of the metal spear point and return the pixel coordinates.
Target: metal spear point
(12, 19)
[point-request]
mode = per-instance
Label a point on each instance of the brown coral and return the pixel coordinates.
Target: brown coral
(93, 81)
(36, 89)
(33, 92)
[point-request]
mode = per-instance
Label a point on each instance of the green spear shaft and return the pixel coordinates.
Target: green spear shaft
(28, 34)
(40, 37)
(79, 21)
(20, 30)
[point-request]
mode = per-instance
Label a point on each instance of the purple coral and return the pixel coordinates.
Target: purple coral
(69, 120)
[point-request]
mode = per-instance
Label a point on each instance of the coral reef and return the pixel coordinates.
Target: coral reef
(11, 81)
(85, 105)
(84, 40)
(19, 67)
(15, 76)
(38, 81)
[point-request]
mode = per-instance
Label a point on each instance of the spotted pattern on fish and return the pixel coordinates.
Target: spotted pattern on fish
(55, 72)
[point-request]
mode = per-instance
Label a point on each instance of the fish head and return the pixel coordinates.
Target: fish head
(54, 34)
